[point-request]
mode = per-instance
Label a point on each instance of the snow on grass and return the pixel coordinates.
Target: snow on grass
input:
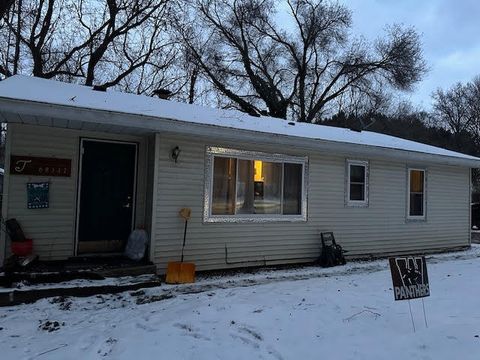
(289, 314)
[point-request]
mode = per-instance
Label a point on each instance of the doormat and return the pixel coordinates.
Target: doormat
(37, 195)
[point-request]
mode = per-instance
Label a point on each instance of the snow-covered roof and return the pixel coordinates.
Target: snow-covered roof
(31, 89)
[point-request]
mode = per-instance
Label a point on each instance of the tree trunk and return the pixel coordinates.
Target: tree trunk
(193, 81)
(16, 57)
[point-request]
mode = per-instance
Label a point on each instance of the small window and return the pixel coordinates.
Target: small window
(250, 186)
(416, 193)
(357, 183)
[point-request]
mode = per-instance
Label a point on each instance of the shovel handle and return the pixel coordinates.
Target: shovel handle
(184, 238)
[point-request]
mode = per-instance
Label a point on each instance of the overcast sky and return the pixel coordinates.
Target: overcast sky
(450, 31)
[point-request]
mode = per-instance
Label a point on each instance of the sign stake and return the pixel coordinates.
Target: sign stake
(411, 315)
(424, 314)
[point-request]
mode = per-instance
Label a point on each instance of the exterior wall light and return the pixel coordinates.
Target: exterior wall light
(175, 153)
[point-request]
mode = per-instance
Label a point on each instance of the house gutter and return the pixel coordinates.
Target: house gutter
(151, 124)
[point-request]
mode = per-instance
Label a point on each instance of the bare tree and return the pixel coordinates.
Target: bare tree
(257, 63)
(10, 10)
(126, 36)
(363, 105)
(119, 43)
(473, 98)
(51, 42)
(5, 6)
(452, 107)
(227, 47)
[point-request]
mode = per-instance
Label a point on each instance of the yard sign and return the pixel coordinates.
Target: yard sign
(410, 278)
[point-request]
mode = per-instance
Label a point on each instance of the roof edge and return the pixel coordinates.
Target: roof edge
(174, 126)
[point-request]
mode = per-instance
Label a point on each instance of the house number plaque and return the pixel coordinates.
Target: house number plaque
(40, 166)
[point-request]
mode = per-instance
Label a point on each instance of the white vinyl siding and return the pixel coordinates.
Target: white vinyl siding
(53, 229)
(378, 229)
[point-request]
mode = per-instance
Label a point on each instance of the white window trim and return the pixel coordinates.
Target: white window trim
(211, 152)
(417, 217)
(357, 203)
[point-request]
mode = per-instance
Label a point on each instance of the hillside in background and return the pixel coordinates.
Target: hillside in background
(412, 127)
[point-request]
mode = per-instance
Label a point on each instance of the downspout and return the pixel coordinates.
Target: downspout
(6, 186)
(156, 166)
(470, 187)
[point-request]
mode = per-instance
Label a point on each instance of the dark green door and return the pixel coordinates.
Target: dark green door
(107, 192)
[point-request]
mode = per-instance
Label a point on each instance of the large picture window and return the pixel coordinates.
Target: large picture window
(357, 183)
(254, 186)
(416, 193)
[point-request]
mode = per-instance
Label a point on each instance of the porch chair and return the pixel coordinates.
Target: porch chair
(332, 253)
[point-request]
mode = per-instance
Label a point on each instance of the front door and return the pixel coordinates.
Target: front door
(107, 194)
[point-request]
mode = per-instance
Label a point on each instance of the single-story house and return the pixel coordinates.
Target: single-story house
(84, 167)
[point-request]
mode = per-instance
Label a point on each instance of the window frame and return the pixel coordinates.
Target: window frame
(357, 203)
(422, 217)
(212, 152)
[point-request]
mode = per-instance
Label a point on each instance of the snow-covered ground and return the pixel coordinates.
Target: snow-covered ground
(340, 313)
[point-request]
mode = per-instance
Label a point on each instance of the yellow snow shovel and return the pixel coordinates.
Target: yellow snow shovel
(181, 272)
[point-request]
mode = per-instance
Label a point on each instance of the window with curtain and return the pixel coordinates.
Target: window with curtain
(255, 186)
(416, 196)
(224, 176)
(357, 183)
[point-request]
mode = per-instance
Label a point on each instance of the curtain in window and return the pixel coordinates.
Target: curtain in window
(268, 200)
(292, 189)
(224, 177)
(256, 187)
(245, 187)
(416, 192)
(416, 181)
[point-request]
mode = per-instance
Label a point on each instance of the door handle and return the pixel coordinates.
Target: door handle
(128, 204)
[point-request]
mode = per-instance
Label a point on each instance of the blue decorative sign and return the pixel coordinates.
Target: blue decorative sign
(37, 195)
